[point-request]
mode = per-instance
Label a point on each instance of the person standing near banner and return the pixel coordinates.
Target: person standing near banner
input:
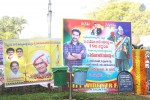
(1, 80)
(1, 77)
(122, 48)
(14, 73)
(74, 51)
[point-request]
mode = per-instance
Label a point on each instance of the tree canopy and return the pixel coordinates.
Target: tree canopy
(11, 27)
(125, 11)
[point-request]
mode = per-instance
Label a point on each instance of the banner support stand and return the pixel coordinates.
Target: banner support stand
(70, 87)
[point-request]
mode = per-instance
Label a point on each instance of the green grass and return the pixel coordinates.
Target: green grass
(75, 95)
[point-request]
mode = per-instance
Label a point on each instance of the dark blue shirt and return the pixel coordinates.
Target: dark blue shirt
(69, 48)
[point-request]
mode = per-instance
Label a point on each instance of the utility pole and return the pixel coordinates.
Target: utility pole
(49, 15)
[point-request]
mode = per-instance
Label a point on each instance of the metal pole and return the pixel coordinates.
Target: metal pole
(70, 87)
(49, 18)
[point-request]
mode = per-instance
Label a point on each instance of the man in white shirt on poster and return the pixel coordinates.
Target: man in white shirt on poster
(14, 73)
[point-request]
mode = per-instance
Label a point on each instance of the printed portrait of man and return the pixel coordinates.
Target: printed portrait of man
(10, 53)
(14, 73)
(40, 61)
(122, 48)
(96, 29)
(74, 51)
(19, 52)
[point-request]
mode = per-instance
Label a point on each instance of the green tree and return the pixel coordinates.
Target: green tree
(11, 27)
(127, 12)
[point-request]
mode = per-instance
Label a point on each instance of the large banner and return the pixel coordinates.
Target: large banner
(29, 62)
(104, 46)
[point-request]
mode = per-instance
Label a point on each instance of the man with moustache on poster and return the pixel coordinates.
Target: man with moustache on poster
(74, 51)
(123, 48)
(40, 62)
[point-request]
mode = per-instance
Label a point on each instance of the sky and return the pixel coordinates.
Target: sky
(35, 12)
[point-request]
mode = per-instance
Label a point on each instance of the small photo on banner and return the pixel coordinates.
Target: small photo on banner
(39, 65)
(41, 57)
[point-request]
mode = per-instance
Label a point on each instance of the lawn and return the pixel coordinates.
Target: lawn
(53, 95)
(38, 92)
